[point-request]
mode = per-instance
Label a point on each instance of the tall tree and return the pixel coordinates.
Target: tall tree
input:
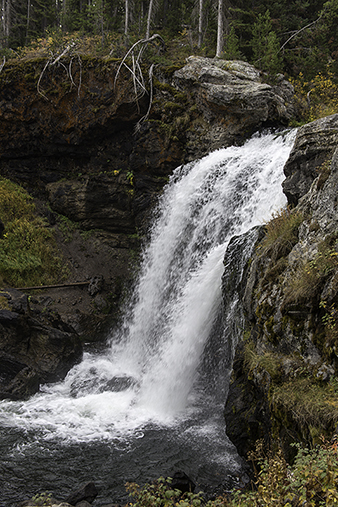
(200, 23)
(219, 46)
(150, 13)
(5, 22)
(126, 18)
(265, 44)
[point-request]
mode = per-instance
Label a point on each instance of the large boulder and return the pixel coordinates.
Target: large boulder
(233, 94)
(34, 349)
(313, 148)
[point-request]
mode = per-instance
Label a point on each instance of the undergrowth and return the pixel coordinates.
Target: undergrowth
(27, 247)
(311, 481)
(311, 274)
(317, 97)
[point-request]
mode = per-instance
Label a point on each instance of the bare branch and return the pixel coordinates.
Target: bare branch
(146, 116)
(53, 61)
(70, 73)
(3, 64)
(80, 77)
(39, 81)
(130, 51)
(68, 48)
(298, 31)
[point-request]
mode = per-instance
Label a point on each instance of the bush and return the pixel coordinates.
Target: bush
(317, 97)
(310, 482)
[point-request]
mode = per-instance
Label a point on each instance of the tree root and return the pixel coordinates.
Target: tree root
(135, 53)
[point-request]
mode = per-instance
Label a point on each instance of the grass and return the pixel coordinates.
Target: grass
(311, 402)
(311, 274)
(269, 361)
(28, 254)
(281, 233)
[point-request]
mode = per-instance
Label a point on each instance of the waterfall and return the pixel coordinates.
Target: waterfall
(153, 376)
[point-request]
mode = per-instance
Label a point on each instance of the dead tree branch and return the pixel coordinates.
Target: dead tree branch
(146, 116)
(299, 31)
(136, 71)
(53, 61)
(3, 64)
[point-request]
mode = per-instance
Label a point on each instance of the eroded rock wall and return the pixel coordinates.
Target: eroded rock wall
(283, 387)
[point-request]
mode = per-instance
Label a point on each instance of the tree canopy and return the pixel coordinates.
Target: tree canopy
(275, 35)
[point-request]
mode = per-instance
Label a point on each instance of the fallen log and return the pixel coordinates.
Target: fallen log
(56, 286)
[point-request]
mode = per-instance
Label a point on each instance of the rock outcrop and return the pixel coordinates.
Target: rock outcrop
(233, 98)
(34, 348)
(285, 367)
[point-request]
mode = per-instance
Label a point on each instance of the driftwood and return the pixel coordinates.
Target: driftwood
(56, 286)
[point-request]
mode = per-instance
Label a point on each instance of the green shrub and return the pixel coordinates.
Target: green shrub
(311, 482)
(161, 494)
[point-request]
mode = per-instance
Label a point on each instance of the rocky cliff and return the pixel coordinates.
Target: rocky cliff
(284, 387)
(67, 134)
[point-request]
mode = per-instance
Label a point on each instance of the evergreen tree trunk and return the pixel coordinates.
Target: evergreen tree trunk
(126, 17)
(64, 15)
(151, 3)
(200, 24)
(5, 22)
(28, 20)
(219, 47)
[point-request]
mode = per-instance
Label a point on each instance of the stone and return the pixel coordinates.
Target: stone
(17, 300)
(97, 203)
(96, 285)
(87, 492)
(234, 89)
(314, 145)
(182, 482)
(33, 350)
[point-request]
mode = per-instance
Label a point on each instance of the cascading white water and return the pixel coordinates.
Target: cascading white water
(149, 374)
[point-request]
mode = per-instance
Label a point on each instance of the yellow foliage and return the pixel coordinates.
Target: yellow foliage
(318, 97)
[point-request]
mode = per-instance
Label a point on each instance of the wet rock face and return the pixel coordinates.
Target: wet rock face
(33, 349)
(97, 202)
(313, 147)
(287, 297)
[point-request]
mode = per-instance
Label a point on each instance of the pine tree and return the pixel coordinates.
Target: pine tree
(265, 44)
